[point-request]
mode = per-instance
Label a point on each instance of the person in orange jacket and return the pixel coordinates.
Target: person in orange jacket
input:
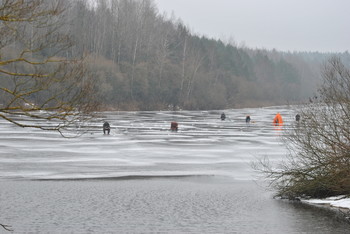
(277, 121)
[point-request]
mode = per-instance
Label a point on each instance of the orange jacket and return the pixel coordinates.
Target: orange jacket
(278, 119)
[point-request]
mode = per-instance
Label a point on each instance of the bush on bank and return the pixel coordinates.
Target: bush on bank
(318, 163)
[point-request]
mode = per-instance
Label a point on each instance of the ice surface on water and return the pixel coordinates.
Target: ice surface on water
(141, 144)
(125, 200)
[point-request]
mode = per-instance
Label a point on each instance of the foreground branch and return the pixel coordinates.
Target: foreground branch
(6, 227)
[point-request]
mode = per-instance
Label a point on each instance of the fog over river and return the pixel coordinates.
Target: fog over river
(143, 178)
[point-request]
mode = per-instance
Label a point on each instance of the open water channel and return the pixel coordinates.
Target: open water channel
(143, 178)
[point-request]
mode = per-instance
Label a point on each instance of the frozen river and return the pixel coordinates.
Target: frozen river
(143, 178)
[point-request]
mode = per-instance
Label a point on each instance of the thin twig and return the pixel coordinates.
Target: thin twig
(6, 227)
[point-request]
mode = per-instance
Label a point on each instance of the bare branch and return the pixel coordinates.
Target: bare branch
(37, 80)
(6, 227)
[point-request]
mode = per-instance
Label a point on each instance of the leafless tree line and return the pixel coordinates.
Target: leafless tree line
(151, 61)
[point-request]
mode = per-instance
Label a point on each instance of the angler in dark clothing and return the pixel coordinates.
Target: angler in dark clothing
(174, 126)
(247, 119)
(297, 117)
(106, 128)
(223, 116)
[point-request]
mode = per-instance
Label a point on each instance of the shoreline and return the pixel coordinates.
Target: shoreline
(338, 204)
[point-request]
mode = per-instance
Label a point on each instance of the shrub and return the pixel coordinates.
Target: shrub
(318, 163)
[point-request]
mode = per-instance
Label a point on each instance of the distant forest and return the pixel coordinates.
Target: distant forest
(141, 59)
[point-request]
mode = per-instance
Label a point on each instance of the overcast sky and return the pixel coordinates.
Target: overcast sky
(287, 25)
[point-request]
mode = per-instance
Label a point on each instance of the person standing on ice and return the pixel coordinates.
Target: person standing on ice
(174, 126)
(278, 121)
(223, 116)
(106, 128)
(247, 119)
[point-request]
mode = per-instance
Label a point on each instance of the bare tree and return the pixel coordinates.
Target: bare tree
(183, 73)
(319, 161)
(195, 63)
(37, 80)
(138, 40)
(162, 55)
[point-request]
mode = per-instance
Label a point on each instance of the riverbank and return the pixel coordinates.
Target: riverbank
(339, 204)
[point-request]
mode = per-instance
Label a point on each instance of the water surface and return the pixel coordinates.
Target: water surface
(143, 178)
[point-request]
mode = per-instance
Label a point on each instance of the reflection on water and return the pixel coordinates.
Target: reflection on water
(145, 178)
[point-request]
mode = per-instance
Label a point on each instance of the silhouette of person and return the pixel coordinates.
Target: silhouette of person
(247, 119)
(223, 116)
(297, 117)
(106, 128)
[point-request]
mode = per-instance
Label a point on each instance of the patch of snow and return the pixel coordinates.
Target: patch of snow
(343, 203)
(337, 201)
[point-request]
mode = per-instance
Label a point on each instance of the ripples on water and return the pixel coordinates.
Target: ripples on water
(144, 178)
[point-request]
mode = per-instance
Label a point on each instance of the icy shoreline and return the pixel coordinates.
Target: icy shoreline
(340, 204)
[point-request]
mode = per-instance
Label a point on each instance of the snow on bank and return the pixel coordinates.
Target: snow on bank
(336, 202)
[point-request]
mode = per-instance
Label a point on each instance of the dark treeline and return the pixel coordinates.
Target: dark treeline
(143, 60)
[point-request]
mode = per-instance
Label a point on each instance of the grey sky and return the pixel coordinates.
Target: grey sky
(294, 25)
